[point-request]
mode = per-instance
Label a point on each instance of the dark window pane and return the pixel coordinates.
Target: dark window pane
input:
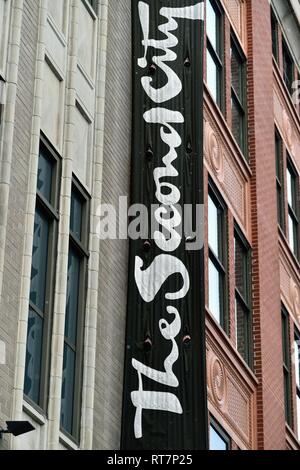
(274, 36)
(288, 67)
(45, 173)
(72, 296)
(39, 260)
(216, 442)
(242, 330)
(212, 25)
(33, 356)
(237, 73)
(67, 394)
(237, 122)
(76, 214)
(241, 269)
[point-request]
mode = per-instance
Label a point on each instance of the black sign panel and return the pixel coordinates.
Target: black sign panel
(164, 404)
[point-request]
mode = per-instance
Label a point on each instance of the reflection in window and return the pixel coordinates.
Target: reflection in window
(36, 378)
(75, 310)
(242, 296)
(214, 52)
(218, 440)
(217, 259)
(293, 207)
(238, 96)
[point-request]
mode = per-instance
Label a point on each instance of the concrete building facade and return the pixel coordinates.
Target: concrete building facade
(65, 117)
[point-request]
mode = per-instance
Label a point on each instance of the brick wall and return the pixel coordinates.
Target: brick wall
(266, 293)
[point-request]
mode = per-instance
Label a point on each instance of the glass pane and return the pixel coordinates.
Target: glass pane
(76, 214)
(67, 391)
(212, 74)
(274, 37)
(241, 322)
(72, 296)
(298, 416)
(33, 356)
(45, 173)
(39, 260)
(213, 227)
(215, 440)
(290, 184)
(214, 292)
(241, 268)
(237, 122)
(211, 25)
(288, 68)
(292, 234)
(297, 361)
(237, 74)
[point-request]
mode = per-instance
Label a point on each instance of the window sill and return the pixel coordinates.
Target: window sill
(67, 442)
(291, 438)
(36, 415)
(90, 9)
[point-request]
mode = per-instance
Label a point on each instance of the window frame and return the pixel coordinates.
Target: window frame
(221, 432)
(220, 264)
(293, 212)
(245, 302)
(242, 105)
(274, 23)
(287, 53)
(217, 55)
(286, 363)
(280, 181)
(81, 248)
(51, 211)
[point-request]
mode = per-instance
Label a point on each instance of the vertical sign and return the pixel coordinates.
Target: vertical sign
(164, 403)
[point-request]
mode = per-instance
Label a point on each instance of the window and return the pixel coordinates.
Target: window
(297, 378)
(238, 95)
(286, 366)
(93, 4)
(274, 26)
(217, 276)
(242, 259)
(293, 204)
(214, 51)
(279, 180)
(42, 275)
(288, 66)
(218, 439)
(75, 311)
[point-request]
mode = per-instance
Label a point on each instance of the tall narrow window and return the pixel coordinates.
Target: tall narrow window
(297, 378)
(243, 296)
(288, 66)
(238, 96)
(286, 366)
(217, 275)
(279, 180)
(214, 51)
(75, 311)
(218, 439)
(42, 272)
(293, 207)
(274, 26)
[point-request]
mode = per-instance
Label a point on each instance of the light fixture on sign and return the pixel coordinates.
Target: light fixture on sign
(16, 428)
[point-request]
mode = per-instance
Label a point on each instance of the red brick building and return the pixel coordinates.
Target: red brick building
(252, 160)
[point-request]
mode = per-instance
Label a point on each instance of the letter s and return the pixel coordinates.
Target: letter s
(150, 281)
